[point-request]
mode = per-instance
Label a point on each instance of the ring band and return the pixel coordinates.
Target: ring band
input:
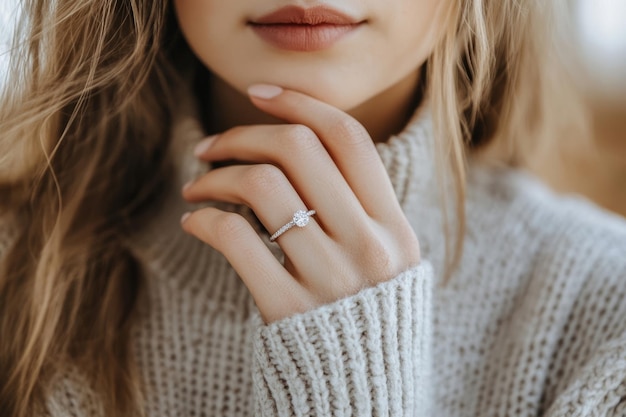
(300, 218)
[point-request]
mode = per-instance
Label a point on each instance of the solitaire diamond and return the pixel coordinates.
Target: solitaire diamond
(301, 218)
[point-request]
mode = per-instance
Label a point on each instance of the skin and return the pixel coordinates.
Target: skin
(361, 75)
(309, 144)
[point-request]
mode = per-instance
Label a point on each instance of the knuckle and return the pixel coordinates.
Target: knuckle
(349, 284)
(301, 133)
(381, 262)
(230, 227)
(383, 259)
(300, 139)
(261, 178)
(300, 303)
(409, 244)
(350, 131)
(406, 235)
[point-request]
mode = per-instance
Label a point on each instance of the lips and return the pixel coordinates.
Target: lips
(297, 29)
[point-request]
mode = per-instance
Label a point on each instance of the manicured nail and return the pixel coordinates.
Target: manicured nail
(264, 91)
(184, 218)
(188, 184)
(204, 145)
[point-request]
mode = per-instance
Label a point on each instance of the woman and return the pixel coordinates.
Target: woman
(405, 288)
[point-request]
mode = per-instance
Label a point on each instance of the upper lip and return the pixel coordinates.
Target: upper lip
(300, 16)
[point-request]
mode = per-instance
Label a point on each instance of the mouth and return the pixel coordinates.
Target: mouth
(297, 29)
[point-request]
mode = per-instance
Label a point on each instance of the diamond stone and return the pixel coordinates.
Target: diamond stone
(301, 218)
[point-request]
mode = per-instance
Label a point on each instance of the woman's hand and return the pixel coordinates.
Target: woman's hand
(324, 161)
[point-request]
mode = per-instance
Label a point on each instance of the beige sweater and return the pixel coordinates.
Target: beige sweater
(532, 324)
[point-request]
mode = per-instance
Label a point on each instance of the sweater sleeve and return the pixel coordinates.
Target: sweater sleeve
(368, 354)
(599, 387)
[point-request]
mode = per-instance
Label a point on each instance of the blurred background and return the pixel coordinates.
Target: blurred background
(601, 27)
(594, 165)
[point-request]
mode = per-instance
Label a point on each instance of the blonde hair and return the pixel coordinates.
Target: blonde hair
(84, 132)
(85, 128)
(499, 87)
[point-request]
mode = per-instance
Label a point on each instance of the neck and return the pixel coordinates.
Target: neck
(383, 115)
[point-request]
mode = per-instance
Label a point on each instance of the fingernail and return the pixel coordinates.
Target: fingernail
(184, 218)
(188, 184)
(264, 91)
(204, 145)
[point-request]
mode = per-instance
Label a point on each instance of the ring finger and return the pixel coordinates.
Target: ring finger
(265, 189)
(305, 161)
(264, 276)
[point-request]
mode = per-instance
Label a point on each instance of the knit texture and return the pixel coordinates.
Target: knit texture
(531, 324)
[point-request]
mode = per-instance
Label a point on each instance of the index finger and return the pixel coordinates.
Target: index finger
(346, 140)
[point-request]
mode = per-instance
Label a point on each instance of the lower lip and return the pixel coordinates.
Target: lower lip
(302, 38)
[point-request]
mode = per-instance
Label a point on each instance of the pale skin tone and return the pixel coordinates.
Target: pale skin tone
(309, 144)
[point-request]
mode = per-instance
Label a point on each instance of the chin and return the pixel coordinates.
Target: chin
(332, 82)
(333, 87)
(335, 94)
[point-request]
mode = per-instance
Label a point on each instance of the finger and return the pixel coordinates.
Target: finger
(297, 150)
(265, 189)
(346, 140)
(262, 187)
(265, 277)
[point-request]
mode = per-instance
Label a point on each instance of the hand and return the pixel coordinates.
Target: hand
(326, 161)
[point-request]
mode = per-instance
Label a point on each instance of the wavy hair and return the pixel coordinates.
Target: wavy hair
(500, 87)
(85, 128)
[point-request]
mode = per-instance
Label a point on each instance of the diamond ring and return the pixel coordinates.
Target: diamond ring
(300, 218)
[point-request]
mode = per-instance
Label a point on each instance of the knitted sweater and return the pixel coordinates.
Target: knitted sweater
(532, 323)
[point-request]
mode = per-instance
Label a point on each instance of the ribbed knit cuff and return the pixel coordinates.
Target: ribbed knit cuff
(365, 355)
